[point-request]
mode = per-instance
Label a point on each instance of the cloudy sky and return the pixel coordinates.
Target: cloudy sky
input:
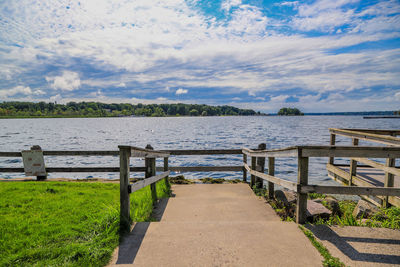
(319, 56)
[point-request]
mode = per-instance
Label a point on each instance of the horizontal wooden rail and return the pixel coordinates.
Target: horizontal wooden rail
(341, 175)
(279, 181)
(145, 182)
(144, 153)
(377, 165)
(328, 151)
(204, 152)
(277, 153)
(203, 168)
(350, 151)
(375, 131)
(66, 153)
(116, 152)
(76, 169)
(351, 190)
(373, 137)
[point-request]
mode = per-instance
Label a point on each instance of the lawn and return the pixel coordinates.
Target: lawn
(65, 223)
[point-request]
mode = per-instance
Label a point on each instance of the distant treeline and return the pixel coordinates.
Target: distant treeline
(96, 109)
(361, 113)
(290, 112)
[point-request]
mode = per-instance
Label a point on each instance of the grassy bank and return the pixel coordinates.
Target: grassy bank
(64, 223)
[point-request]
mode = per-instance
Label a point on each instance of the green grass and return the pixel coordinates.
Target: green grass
(329, 260)
(65, 223)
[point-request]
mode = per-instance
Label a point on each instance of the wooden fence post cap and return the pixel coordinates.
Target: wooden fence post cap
(262, 146)
(148, 146)
(36, 147)
(124, 147)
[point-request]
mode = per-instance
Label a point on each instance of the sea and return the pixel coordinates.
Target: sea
(228, 132)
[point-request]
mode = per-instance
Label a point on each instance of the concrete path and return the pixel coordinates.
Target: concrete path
(215, 225)
(360, 246)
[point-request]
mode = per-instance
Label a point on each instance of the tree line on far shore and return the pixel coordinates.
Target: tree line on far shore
(290, 112)
(97, 109)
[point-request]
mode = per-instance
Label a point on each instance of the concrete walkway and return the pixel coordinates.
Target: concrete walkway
(360, 246)
(215, 225)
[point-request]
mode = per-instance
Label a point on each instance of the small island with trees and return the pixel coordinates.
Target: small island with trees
(97, 109)
(290, 112)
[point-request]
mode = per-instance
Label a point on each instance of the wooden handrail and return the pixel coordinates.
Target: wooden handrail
(351, 190)
(364, 135)
(328, 151)
(374, 164)
(279, 181)
(145, 182)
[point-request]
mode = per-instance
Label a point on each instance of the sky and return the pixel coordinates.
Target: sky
(318, 56)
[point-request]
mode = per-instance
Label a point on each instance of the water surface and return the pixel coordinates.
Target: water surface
(177, 133)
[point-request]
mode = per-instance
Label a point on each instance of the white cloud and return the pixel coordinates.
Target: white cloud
(181, 91)
(228, 4)
(23, 90)
(56, 98)
(397, 96)
(167, 43)
(68, 81)
(39, 92)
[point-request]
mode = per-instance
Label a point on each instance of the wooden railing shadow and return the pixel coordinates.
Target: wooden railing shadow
(323, 232)
(130, 243)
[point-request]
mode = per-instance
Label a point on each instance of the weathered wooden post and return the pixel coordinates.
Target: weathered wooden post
(124, 159)
(353, 164)
(260, 165)
(166, 169)
(302, 179)
(271, 171)
(332, 143)
(244, 169)
(253, 167)
(150, 164)
(389, 180)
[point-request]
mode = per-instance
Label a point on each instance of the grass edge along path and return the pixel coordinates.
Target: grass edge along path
(329, 260)
(65, 223)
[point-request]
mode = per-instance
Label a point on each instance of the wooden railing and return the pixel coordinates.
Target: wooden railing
(303, 153)
(387, 137)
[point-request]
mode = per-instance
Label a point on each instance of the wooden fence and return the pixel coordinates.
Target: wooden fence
(303, 153)
(351, 177)
(258, 158)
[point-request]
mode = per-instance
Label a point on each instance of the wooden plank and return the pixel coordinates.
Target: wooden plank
(244, 170)
(203, 152)
(75, 169)
(375, 131)
(253, 167)
(260, 166)
(10, 154)
(378, 138)
(332, 143)
(389, 180)
(302, 180)
(124, 155)
(279, 181)
(335, 173)
(350, 190)
(350, 151)
(145, 182)
(271, 172)
(150, 164)
(247, 167)
(393, 170)
(353, 164)
(277, 153)
(81, 153)
(165, 170)
(203, 168)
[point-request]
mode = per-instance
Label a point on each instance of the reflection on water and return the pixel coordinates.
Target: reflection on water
(177, 133)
